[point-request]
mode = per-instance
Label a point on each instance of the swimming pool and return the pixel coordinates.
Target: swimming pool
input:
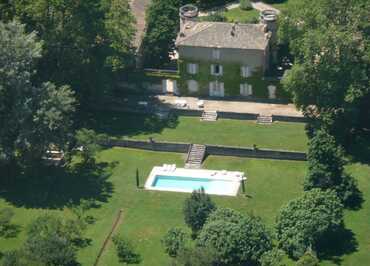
(188, 180)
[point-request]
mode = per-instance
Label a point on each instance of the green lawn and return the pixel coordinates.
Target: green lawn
(242, 16)
(279, 135)
(251, 16)
(147, 215)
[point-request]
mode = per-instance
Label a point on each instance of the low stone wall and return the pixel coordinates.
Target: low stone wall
(255, 153)
(211, 149)
(238, 116)
(292, 119)
(147, 145)
(187, 112)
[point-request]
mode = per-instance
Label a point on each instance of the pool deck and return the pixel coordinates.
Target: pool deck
(232, 177)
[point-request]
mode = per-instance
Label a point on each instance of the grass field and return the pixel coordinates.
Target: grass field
(241, 16)
(279, 135)
(250, 16)
(148, 215)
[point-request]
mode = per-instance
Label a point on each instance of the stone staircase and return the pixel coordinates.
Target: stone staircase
(264, 119)
(209, 116)
(195, 156)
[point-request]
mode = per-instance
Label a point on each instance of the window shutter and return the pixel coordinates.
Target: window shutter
(250, 91)
(212, 69)
(221, 70)
(248, 71)
(196, 67)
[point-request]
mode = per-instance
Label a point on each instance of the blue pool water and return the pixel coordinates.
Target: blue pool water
(210, 186)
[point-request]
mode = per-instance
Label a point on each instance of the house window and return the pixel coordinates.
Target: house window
(192, 86)
(192, 68)
(216, 53)
(245, 71)
(246, 89)
(216, 89)
(216, 70)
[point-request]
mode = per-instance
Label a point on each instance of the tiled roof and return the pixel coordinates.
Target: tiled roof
(223, 35)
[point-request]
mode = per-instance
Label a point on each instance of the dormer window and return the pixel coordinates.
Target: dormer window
(216, 54)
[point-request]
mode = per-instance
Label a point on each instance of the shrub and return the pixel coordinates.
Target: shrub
(50, 241)
(236, 241)
(125, 251)
(306, 221)
(174, 241)
(308, 259)
(196, 256)
(326, 168)
(273, 257)
(225, 214)
(245, 5)
(196, 210)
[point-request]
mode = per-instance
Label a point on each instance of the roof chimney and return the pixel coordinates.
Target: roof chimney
(188, 13)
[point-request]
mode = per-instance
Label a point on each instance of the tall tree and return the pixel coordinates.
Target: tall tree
(162, 20)
(326, 168)
(119, 25)
(196, 210)
(237, 239)
(84, 41)
(304, 222)
(330, 78)
(32, 116)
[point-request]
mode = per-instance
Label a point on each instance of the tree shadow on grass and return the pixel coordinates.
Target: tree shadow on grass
(337, 244)
(359, 151)
(10, 230)
(119, 124)
(56, 187)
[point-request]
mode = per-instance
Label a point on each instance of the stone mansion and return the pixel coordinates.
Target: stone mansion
(221, 59)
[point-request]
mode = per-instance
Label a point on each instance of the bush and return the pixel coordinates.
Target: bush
(245, 5)
(326, 168)
(225, 214)
(196, 256)
(125, 251)
(306, 221)
(308, 259)
(236, 241)
(273, 257)
(174, 241)
(50, 241)
(196, 210)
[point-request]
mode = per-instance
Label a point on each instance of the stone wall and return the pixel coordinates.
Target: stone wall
(211, 149)
(147, 145)
(255, 153)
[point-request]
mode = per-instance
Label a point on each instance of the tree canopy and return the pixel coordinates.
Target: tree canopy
(236, 241)
(330, 78)
(33, 116)
(303, 222)
(326, 168)
(196, 210)
(85, 42)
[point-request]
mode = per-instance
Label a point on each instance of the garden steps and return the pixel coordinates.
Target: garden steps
(264, 119)
(195, 157)
(209, 116)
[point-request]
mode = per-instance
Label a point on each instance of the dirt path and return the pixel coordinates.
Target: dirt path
(235, 106)
(108, 239)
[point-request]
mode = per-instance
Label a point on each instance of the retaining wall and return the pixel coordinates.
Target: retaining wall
(255, 153)
(147, 145)
(211, 149)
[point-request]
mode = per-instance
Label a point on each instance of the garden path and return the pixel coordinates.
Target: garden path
(234, 106)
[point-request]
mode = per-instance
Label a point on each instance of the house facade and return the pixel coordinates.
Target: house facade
(224, 59)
